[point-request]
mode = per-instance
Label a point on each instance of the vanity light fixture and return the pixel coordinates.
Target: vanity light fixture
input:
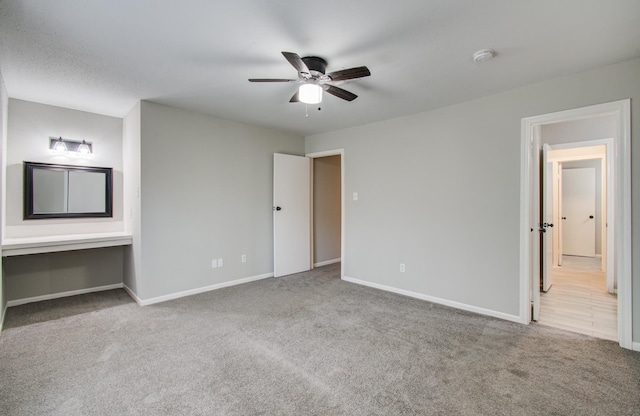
(70, 147)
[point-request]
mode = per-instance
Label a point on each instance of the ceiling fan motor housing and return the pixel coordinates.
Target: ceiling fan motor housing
(317, 66)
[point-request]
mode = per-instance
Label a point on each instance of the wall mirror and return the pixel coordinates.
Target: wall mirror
(66, 191)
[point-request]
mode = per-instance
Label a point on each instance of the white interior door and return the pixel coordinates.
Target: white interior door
(291, 214)
(578, 205)
(547, 219)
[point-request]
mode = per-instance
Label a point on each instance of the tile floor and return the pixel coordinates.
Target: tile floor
(578, 300)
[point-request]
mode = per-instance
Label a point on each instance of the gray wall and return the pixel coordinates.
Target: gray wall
(206, 192)
(49, 273)
(326, 208)
(30, 126)
(579, 130)
(131, 192)
(440, 190)
(4, 110)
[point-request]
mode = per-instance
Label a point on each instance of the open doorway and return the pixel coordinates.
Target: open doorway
(293, 213)
(619, 221)
(577, 290)
(327, 210)
(328, 204)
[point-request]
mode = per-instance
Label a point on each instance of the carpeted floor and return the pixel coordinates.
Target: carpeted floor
(306, 344)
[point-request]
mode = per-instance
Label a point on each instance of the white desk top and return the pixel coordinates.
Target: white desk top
(51, 244)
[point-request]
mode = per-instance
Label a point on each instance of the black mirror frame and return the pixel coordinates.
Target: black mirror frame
(28, 191)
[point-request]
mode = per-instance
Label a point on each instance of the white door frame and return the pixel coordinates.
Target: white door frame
(335, 152)
(548, 246)
(529, 254)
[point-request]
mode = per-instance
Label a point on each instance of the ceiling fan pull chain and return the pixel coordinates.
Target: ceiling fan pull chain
(306, 110)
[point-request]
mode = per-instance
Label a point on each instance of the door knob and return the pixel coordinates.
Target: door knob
(278, 208)
(564, 218)
(591, 216)
(543, 227)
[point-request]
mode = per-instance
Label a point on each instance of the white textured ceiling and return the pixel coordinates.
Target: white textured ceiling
(104, 55)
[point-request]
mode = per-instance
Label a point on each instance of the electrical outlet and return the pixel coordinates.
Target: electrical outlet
(244, 258)
(355, 196)
(214, 263)
(402, 269)
(220, 262)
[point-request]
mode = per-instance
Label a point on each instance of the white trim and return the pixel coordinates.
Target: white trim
(622, 206)
(177, 295)
(58, 295)
(336, 152)
(525, 226)
(132, 294)
(582, 144)
(327, 262)
(446, 302)
(312, 237)
(4, 313)
(623, 227)
(325, 153)
(51, 244)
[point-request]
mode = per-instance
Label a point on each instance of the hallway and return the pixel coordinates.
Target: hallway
(578, 300)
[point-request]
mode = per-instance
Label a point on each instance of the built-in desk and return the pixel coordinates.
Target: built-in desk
(52, 244)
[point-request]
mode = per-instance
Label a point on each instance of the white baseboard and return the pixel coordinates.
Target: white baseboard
(635, 346)
(164, 298)
(132, 294)
(4, 313)
(50, 296)
(327, 262)
(446, 302)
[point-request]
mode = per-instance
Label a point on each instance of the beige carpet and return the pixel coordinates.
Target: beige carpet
(307, 344)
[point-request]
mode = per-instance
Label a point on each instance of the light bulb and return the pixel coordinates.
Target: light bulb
(84, 149)
(60, 146)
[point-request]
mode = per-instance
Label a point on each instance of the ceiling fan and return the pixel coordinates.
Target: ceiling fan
(313, 80)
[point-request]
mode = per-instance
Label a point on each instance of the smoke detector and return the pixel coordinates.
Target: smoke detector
(483, 55)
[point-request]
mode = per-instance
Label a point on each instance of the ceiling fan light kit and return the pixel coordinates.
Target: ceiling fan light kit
(313, 79)
(310, 93)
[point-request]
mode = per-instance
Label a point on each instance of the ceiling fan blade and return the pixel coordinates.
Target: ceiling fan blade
(271, 80)
(297, 62)
(295, 98)
(339, 92)
(351, 73)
